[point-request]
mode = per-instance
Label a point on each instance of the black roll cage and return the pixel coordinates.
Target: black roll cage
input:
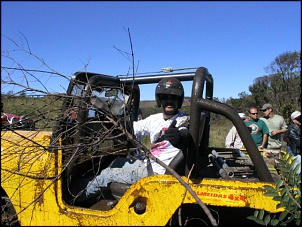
(200, 108)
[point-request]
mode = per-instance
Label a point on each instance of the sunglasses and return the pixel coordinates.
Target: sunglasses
(254, 113)
(265, 109)
(168, 97)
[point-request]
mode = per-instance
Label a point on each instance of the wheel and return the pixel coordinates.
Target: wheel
(8, 214)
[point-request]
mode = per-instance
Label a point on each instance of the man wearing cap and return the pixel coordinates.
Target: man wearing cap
(233, 139)
(277, 126)
(294, 133)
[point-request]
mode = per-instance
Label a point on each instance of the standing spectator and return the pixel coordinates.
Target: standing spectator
(277, 126)
(294, 133)
(258, 128)
(233, 139)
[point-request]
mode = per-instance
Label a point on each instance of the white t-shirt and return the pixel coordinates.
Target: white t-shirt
(154, 126)
(233, 139)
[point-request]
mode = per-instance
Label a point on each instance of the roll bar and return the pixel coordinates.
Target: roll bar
(199, 111)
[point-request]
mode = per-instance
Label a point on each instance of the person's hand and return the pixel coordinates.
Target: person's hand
(260, 147)
(172, 135)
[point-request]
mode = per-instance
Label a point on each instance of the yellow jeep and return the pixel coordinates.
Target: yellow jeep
(38, 167)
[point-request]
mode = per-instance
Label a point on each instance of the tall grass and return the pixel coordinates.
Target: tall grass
(218, 132)
(43, 110)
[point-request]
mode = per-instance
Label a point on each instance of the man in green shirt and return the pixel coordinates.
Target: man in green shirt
(259, 130)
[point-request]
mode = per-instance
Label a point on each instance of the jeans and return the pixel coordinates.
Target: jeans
(288, 150)
(295, 151)
(124, 170)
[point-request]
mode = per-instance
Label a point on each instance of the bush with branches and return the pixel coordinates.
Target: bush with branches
(287, 191)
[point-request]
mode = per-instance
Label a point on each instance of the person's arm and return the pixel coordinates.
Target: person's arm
(275, 132)
(280, 131)
(141, 127)
(294, 137)
(264, 141)
(265, 132)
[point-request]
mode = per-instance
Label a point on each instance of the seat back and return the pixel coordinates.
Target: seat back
(178, 164)
(118, 189)
(185, 159)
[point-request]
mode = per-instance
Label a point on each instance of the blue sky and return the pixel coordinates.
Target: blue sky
(233, 40)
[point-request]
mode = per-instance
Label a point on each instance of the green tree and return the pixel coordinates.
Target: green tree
(260, 91)
(242, 103)
(281, 87)
(285, 82)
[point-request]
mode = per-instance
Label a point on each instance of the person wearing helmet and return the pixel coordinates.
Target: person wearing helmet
(168, 133)
(166, 129)
(169, 87)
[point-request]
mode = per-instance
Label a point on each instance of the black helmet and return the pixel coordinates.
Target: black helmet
(169, 86)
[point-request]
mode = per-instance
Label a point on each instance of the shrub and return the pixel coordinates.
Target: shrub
(287, 191)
